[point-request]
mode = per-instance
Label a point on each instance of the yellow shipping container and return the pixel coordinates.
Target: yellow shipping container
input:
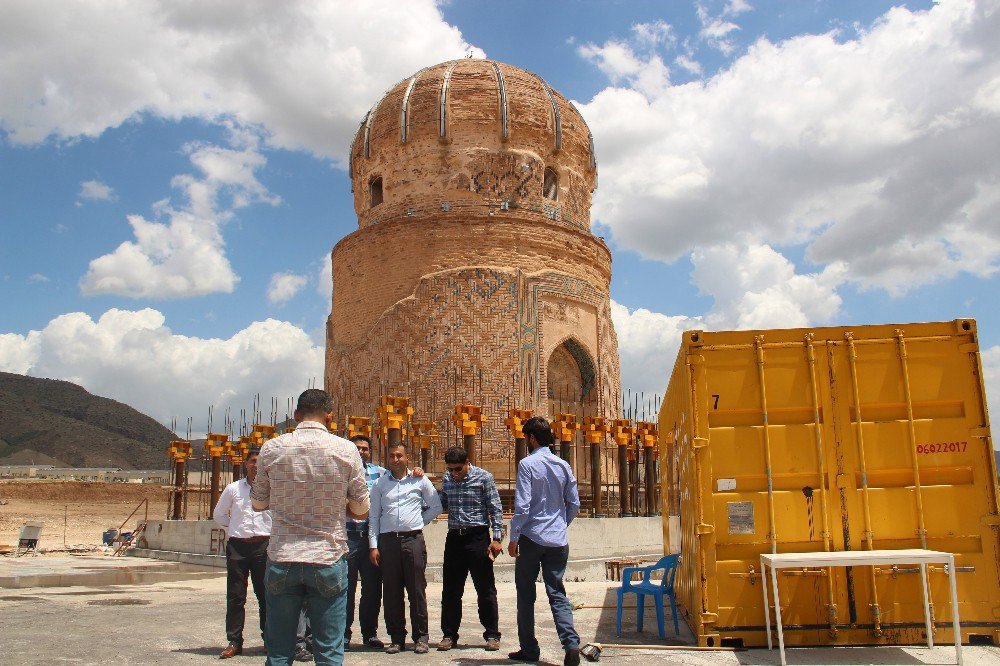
(831, 439)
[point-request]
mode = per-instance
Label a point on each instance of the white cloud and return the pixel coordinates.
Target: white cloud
(305, 71)
(714, 29)
(830, 143)
(133, 357)
(181, 252)
(688, 64)
(991, 375)
(647, 345)
(95, 190)
(623, 66)
(324, 281)
(752, 287)
(284, 286)
(38, 278)
(654, 33)
(736, 7)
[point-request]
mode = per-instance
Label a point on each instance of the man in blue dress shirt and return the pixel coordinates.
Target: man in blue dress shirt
(402, 504)
(545, 502)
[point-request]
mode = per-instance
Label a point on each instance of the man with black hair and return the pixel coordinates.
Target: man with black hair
(360, 565)
(312, 481)
(545, 502)
(469, 496)
(402, 503)
(246, 553)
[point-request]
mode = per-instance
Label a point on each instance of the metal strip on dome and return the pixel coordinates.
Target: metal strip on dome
(403, 113)
(555, 111)
(442, 104)
(368, 128)
(503, 101)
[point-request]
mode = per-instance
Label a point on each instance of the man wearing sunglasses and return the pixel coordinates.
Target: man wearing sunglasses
(470, 498)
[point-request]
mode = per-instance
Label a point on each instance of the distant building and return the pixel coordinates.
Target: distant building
(104, 474)
(474, 276)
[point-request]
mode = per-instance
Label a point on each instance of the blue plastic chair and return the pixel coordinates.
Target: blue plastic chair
(665, 588)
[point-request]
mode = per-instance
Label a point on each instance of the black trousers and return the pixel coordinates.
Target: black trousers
(466, 554)
(359, 565)
(404, 564)
(244, 559)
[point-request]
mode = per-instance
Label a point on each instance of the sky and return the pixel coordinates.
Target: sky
(173, 173)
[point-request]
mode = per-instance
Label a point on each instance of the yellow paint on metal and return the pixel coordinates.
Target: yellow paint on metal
(831, 439)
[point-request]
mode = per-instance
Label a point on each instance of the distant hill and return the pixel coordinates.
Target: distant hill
(47, 421)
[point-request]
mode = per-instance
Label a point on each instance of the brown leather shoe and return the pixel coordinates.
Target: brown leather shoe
(231, 651)
(492, 644)
(445, 644)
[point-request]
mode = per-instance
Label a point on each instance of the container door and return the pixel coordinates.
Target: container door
(914, 469)
(768, 483)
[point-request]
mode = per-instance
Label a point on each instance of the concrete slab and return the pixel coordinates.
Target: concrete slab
(181, 622)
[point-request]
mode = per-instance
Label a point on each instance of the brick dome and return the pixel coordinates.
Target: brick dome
(428, 144)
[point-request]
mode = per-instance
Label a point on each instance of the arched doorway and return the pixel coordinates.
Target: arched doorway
(572, 379)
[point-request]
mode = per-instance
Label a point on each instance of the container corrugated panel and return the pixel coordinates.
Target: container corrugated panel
(838, 438)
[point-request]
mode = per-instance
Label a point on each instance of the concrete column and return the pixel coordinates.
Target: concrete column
(515, 424)
(621, 432)
(469, 419)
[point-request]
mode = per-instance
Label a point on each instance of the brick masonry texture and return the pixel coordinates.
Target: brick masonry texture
(466, 284)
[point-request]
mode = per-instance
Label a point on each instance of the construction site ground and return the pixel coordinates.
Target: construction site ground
(75, 513)
(172, 614)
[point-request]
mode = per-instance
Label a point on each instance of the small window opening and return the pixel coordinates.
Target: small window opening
(550, 184)
(375, 191)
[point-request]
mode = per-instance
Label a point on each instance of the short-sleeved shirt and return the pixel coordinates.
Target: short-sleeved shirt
(308, 476)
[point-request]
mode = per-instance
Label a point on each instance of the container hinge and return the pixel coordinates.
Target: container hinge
(709, 618)
(979, 432)
(804, 572)
(704, 528)
(699, 442)
(969, 348)
(992, 520)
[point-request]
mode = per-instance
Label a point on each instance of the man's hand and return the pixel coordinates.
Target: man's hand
(418, 472)
(512, 549)
(374, 556)
(496, 548)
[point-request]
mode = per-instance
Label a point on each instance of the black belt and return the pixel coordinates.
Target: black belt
(363, 530)
(398, 535)
(472, 529)
(253, 539)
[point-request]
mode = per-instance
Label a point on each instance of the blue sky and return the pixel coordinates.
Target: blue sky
(172, 177)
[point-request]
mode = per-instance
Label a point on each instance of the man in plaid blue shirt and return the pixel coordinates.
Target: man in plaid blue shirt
(469, 496)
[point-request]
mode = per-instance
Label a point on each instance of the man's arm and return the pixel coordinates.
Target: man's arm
(444, 496)
(492, 500)
(375, 514)
(260, 493)
(358, 501)
(522, 501)
(431, 499)
(571, 496)
(223, 508)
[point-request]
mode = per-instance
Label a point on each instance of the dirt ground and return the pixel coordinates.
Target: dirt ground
(75, 513)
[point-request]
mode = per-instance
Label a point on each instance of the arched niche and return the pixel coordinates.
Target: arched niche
(571, 378)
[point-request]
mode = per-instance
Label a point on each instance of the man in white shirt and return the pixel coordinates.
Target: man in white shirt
(246, 553)
(401, 504)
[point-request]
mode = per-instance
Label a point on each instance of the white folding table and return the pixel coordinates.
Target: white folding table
(861, 558)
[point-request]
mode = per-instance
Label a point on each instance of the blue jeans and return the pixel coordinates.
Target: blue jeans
(552, 562)
(324, 587)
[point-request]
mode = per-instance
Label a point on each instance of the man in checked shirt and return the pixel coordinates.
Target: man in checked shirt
(469, 496)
